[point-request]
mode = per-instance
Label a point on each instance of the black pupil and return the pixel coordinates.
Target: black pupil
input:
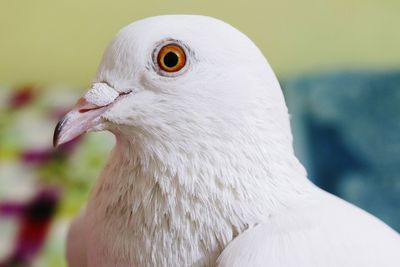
(171, 59)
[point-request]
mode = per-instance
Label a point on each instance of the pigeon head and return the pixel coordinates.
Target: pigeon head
(190, 99)
(202, 133)
(180, 79)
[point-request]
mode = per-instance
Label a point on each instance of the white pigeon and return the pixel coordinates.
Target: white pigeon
(203, 172)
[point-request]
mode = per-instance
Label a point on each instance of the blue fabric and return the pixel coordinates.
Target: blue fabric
(347, 134)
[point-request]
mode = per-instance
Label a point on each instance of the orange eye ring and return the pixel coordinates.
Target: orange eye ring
(171, 58)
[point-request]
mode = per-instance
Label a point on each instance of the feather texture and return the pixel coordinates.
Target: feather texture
(322, 231)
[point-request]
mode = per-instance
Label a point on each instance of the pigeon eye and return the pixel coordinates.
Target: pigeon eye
(171, 58)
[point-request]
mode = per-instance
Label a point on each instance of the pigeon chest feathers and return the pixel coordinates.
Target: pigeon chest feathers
(175, 196)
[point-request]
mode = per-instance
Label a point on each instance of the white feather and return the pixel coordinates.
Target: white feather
(322, 231)
(205, 155)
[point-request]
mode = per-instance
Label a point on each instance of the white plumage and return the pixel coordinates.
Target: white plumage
(203, 172)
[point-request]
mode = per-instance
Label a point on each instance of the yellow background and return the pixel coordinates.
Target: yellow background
(50, 41)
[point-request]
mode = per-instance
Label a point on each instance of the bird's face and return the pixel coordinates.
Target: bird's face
(176, 75)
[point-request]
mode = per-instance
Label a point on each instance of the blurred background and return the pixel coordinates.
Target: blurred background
(338, 62)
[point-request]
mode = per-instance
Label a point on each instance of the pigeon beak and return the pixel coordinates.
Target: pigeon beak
(86, 114)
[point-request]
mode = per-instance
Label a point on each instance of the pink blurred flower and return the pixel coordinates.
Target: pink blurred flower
(22, 97)
(34, 217)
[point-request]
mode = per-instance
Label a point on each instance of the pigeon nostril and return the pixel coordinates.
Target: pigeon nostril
(86, 109)
(83, 106)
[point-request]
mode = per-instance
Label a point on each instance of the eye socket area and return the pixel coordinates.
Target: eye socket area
(171, 58)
